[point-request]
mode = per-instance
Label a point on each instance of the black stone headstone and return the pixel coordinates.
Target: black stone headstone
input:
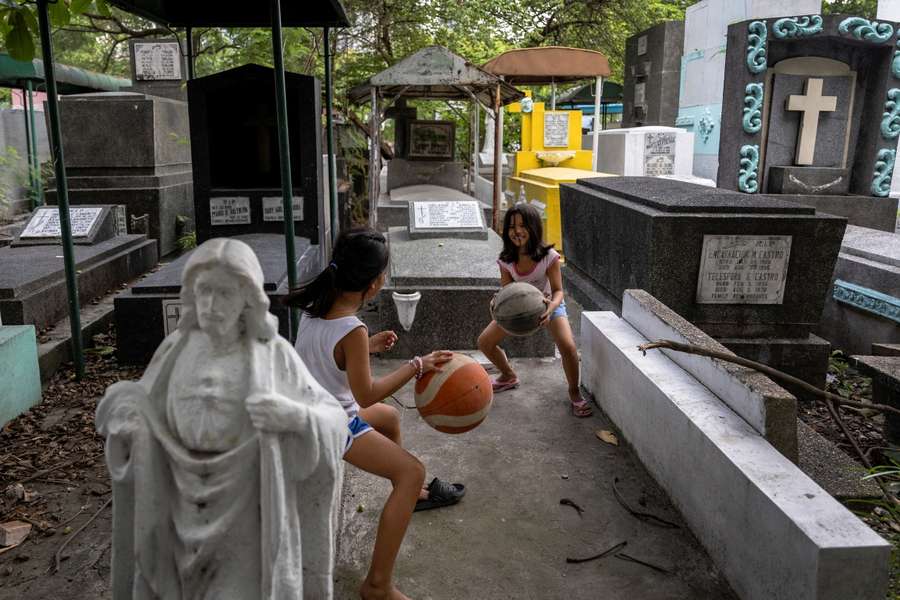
(234, 145)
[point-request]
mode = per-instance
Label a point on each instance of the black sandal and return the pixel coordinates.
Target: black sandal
(441, 493)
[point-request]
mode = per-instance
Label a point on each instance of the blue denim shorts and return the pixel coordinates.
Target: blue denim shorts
(560, 311)
(356, 427)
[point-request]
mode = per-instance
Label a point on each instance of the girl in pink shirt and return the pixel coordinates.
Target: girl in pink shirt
(526, 258)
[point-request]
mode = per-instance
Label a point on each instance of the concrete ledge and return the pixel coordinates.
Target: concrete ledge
(774, 533)
(766, 406)
(21, 387)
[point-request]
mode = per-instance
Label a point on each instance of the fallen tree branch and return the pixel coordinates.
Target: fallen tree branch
(603, 554)
(831, 401)
(57, 557)
(646, 517)
(767, 370)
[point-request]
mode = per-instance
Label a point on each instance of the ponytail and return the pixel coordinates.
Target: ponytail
(360, 256)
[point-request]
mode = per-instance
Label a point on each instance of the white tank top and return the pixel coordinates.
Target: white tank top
(316, 339)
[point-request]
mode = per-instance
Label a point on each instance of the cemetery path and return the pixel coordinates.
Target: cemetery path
(510, 536)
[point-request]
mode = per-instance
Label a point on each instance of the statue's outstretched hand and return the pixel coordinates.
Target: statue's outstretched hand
(276, 413)
(118, 413)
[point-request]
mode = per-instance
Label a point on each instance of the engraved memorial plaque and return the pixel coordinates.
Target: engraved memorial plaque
(448, 215)
(659, 154)
(233, 210)
(273, 208)
(171, 314)
(743, 269)
(640, 93)
(642, 45)
(45, 222)
(157, 61)
(556, 129)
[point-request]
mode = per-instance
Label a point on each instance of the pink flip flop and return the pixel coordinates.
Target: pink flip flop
(502, 386)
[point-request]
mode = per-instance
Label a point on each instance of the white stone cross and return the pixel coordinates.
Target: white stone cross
(810, 105)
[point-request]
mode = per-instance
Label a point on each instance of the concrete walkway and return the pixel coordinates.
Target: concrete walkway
(509, 537)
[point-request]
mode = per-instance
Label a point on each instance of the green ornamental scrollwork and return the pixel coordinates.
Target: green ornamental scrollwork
(756, 47)
(884, 168)
(863, 29)
(890, 120)
(747, 181)
(895, 63)
(797, 27)
(753, 101)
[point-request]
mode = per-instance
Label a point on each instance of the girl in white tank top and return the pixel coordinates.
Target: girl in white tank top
(335, 346)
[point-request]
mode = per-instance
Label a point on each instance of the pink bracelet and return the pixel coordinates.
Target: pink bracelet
(416, 362)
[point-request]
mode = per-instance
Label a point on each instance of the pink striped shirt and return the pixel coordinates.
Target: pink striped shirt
(537, 276)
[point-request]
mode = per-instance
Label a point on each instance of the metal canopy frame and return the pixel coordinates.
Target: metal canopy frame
(215, 13)
(29, 77)
(190, 14)
(435, 73)
(549, 65)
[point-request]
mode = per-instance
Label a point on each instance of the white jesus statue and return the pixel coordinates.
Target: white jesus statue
(225, 456)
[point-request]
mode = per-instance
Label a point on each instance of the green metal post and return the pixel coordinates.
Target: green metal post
(189, 34)
(329, 134)
(62, 192)
(38, 188)
(31, 200)
(284, 152)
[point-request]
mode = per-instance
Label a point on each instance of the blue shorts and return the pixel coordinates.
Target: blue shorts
(560, 311)
(356, 427)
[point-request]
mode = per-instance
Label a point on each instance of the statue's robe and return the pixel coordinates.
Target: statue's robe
(172, 506)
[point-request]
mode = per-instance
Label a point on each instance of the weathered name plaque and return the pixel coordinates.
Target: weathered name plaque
(233, 210)
(45, 222)
(556, 129)
(743, 269)
(157, 61)
(448, 215)
(659, 154)
(273, 208)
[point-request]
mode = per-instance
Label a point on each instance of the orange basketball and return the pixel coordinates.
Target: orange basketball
(458, 398)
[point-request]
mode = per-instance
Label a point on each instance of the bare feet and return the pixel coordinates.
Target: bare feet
(369, 591)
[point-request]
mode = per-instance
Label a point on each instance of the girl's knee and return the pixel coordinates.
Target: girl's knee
(413, 472)
(567, 347)
(485, 343)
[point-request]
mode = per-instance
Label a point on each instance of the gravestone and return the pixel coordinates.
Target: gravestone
(130, 149)
(652, 75)
(234, 145)
(751, 271)
(32, 276)
(447, 254)
(863, 303)
(703, 68)
(650, 151)
(797, 114)
(446, 218)
(393, 207)
(430, 148)
(237, 177)
(158, 67)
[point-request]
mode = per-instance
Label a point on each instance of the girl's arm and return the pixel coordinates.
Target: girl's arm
(368, 391)
(554, 275)
(505, 277)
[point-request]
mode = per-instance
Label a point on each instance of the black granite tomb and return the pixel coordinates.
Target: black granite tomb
(811, 112)
(32, 275)
(752, 271)
(130, 149)
(653, 75)
(149, 310)
(234, 144)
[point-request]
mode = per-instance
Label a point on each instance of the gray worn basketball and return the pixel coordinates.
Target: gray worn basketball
(517, 308)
